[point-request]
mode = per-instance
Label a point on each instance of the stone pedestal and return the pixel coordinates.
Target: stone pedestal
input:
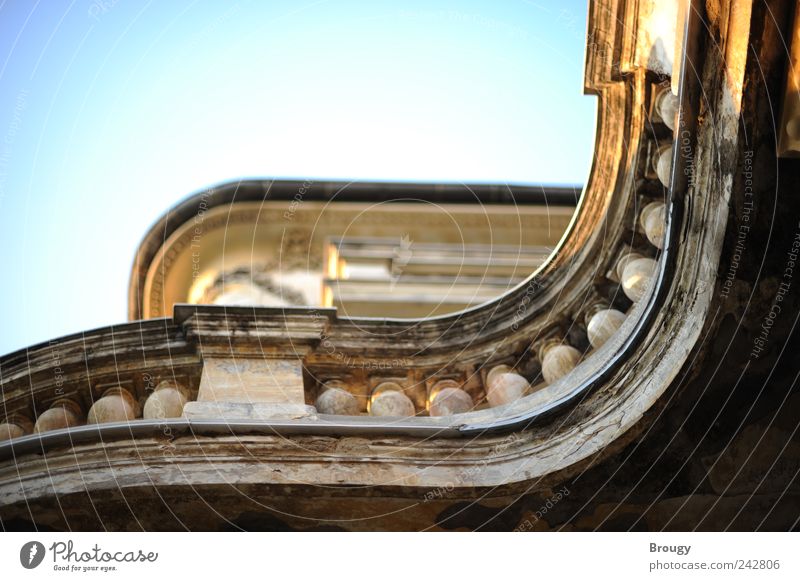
(252, 362)
(250, 389)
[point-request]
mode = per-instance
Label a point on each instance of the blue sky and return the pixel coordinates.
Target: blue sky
(111, 111)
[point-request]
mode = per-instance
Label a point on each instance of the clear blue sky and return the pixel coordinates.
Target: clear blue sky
(111, 111)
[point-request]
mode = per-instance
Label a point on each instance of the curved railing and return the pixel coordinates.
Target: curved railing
(615, 278)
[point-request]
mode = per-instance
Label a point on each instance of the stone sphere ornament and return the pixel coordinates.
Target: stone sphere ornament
(637, 276)
(338, 402)
(664, 164)
(62, 414)
(624, 261)
(667, 107)
(166, 401)
(505, 388)
(558, 361)
(602, 326)
(497, 370)
(116, 405)
(654, 221)
(450, 401)
(10, 431)
(15, 425)
(388, 400)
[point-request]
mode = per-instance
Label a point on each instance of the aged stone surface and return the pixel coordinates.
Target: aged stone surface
(14, 426)
(246, 380)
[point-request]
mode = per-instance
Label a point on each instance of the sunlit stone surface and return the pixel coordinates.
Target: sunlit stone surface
(637, 276)
(667, 107)
(449, 401)
(505, 388)
(389, 400)
(116, 405)
(603, 325)
(62, 414)
(664, 164)
(653, 219)
(166, 401)
(337, 401)
(558, 361)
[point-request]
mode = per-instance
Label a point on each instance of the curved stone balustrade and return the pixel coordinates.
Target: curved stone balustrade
(586, 262)
(502, 385)
(554, 299)
(626, 259)
(63, 413)
(166, 401)
(116, 405)
(497, 370)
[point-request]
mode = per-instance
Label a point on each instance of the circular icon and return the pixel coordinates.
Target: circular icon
(31, 554)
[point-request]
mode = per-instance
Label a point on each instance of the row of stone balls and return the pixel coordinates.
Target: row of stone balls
(117, 404)
(503, 386)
